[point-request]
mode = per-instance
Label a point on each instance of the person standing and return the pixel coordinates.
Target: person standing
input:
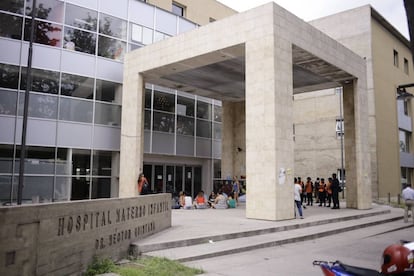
(142, 184)
(329, 192)
(297, 198)
(317, 189)
(322, 193)
(302, 193)
(408, 196)
(309, 191)
(236, 189)
(335, 191)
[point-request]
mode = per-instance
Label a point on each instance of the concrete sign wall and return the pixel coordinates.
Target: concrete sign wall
(62, 238)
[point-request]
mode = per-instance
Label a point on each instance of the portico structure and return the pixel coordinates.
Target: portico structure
(254, 62)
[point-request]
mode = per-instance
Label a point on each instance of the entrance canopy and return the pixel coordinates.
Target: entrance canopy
(261, 58)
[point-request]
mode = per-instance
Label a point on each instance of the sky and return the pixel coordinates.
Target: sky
(392, 10)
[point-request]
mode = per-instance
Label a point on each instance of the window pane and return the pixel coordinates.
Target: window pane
(111, 48)
(77, 86)
(107, 114)
(218, 112)
(9, 76)
(146, 36)
(62, 189)
(63, 162)
(80, 41)
(38, 189)
(203, 129)
(108, 91)
(177, 9)
(112, 26)
(44, 81)
(136, 33)
(15, 6)
(45, 33)
(11, 26)
(147, 119)
(8, 102)
(39, 160)
(163, 122)
(217, 131)
(102, 163)
(5, 189)
(185, 125)
(185, 106)
(203, 110)
(40, 106)
(6, 159)
(81, 17)
(81, 162)
(46, 9)
(80, 188)
(75, 110)
(101, 188)
(164, 101)
(148, 98)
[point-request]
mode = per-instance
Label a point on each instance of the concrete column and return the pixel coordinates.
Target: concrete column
(357, 163)
(233, 157)
(269, 128)
(132, 134)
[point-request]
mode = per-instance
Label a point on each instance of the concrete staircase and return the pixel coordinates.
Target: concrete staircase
(190, 249)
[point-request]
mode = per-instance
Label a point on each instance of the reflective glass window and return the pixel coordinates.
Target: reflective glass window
(8, 102)
(77, 86)
(203, 110)
(39, 160)
(185, 106)
(178, 9)
(203, 128)
(9, 76)
(62, 190)
(72, 109)
(45, 33)
(185, 125)
(81, 162)
(108, 91)
(107, 114)
(44, 81)
(80, 188)
(6, 159)
(40, 106)
(112, 26)
(80, 41)
(217, 131)
(102, 163)
(147, 120)
(46, 9)
(63, 162)
(164, 101)
(158, 36)
(15, 6)
(37, 189)
(5, 189)
(81, 17)
(101, 187)
(148, 98)
(218, 113)
(11, 26)
(163, 122)
(111, 48)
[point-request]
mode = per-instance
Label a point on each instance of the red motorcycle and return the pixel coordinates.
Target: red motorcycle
(397, 260)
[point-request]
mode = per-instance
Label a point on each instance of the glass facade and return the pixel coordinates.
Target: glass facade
(75, 101)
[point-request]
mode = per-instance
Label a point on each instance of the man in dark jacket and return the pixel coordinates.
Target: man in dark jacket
(335, 191)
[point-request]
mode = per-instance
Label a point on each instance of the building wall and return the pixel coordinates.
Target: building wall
(200, 11)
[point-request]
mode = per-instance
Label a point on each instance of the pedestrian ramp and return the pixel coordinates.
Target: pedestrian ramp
(208, 246)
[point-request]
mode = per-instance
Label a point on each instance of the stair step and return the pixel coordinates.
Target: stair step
(214, 248)
(149, 244)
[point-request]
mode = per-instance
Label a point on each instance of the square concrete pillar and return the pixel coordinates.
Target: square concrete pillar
(269, 128)
(357, 154)
(132, 134)
(233, 153)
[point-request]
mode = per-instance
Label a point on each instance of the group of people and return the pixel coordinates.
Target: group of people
(201, 201)
(325, 193)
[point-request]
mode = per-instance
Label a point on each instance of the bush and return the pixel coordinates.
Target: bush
(100, 266)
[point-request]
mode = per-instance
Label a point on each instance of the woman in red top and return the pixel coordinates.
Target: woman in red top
(141, 182)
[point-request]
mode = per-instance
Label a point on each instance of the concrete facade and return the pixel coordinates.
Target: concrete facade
(269, 43)
(62, 239)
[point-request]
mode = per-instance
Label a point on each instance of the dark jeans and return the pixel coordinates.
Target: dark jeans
(310, 198)
(299, 206)
(335, 199)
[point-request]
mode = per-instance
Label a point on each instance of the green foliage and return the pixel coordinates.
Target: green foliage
(100, 266)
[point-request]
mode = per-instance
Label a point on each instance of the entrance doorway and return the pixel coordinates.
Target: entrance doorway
(169, 178)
